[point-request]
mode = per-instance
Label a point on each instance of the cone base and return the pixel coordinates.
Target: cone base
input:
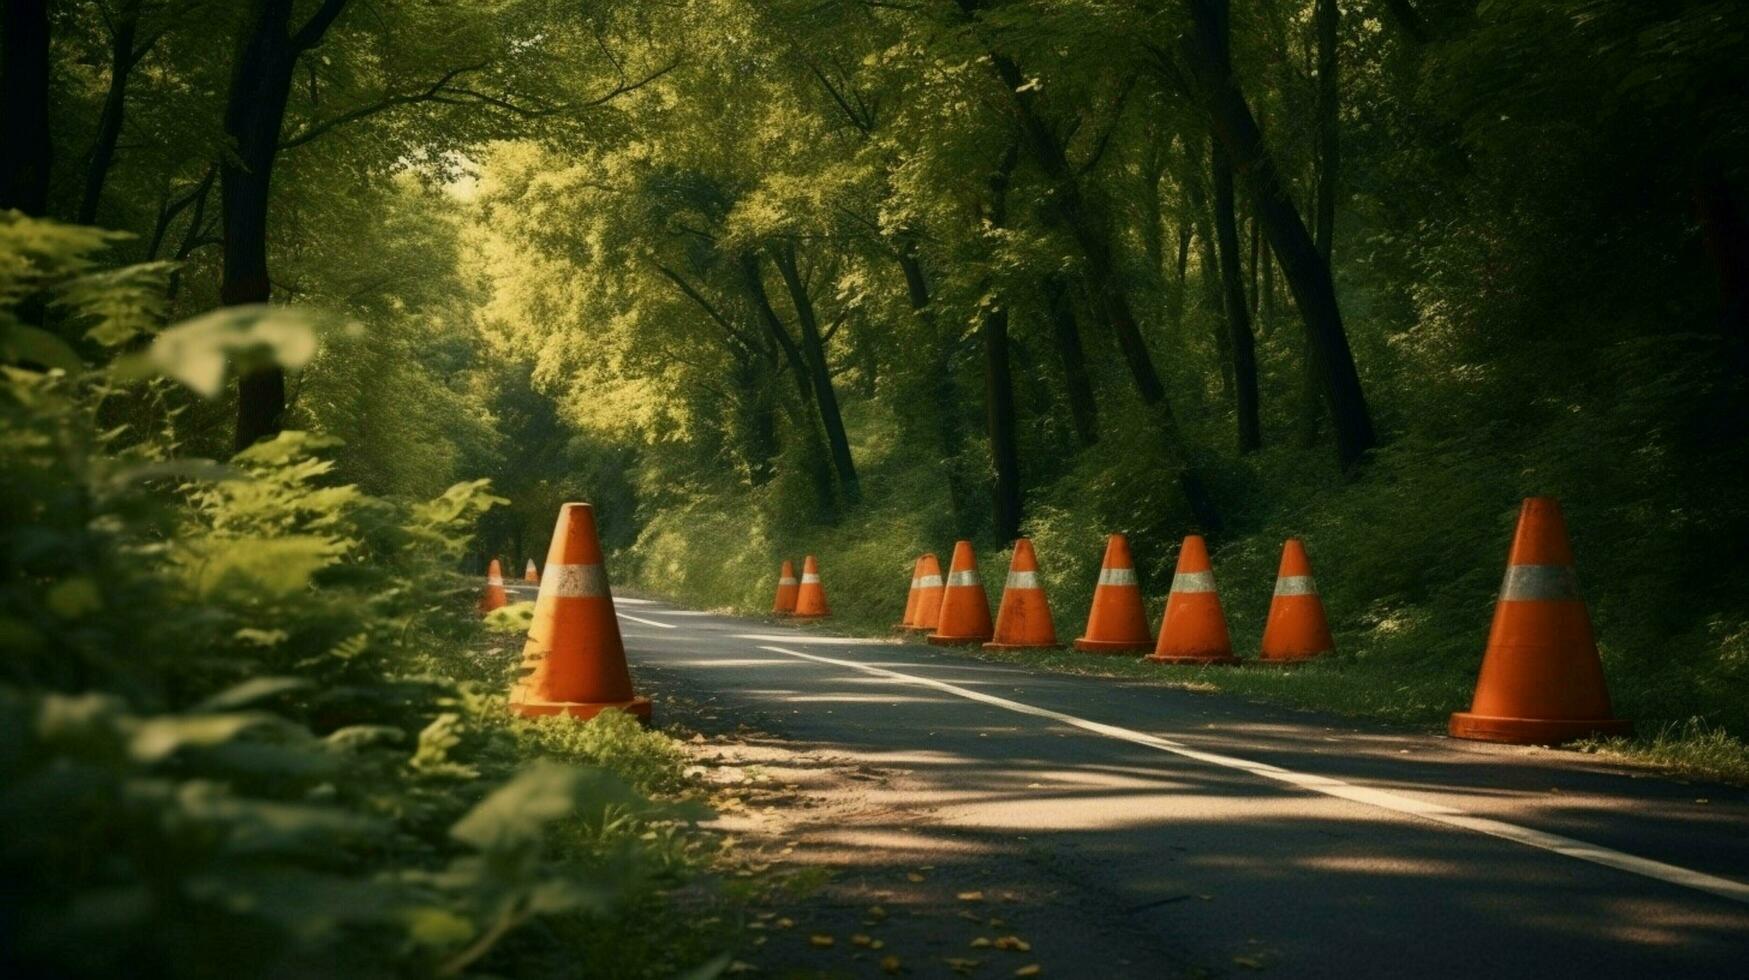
(780, 614)
(1113, 646)
(1193, 661)
(992, 645)
(807, 615)
(638, 707)
(937, 639)
(1532, 731)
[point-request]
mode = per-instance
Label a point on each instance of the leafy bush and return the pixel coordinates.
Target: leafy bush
(231, 743)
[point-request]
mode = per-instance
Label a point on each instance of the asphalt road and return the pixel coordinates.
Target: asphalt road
(1146, 831)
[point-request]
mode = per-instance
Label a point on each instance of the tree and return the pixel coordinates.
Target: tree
(25, 142)
(1308, 275)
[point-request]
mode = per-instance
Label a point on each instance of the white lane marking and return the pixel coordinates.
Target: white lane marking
(646, 622)
(1437, 812)
(680, 612)
(831, 641)
(629, 601)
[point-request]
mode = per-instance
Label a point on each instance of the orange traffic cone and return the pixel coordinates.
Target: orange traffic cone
(811, 596)
(1541, 681)
(1024, 620)
(1296, 630)
(785, 601)
(493, 597)
(574, 662)
(531, 575)
(1117, 622)
(1194, 630)
(930, 590)
(909, 619)
(965, 609)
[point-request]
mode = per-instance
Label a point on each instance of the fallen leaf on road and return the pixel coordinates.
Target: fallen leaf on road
(1029, 970)
(820, 940)
(1249, 962)
(959, 965)
(971, 896)
(740, 967)
(914, 877)
(877, 944)
(980, 943)
(891, 964)
(861, 940)
(1015, 943)
(996, 923)
(876, 912)
(784, 923)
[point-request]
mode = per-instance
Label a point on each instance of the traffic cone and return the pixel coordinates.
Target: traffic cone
(1024, 620)
(811, 596)
(785, 601)
(1296, 630)
(1541, 680)
(965, 609)
(574, 663)
(1117, 623)
(1194, 630)
(930, 589)
(909, 619)
(493, 597)
(531, 575)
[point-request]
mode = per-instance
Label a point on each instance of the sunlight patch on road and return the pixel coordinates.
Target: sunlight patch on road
(832, 641)
(1436, 812)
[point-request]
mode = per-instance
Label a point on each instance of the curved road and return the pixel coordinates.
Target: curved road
(1144, 831)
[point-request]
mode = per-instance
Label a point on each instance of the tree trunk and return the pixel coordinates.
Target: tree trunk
(1307, 273)
(261, 77)
(1329, 129)
(807, 420)
(1725, 232)
(1066, 337)
(1256, 258)
(1176, 297)
(122, 59)
(1212, 286)
(940, 419)
(1266, 302)
(814, 355)
(999, 408)
(1244, 349)
(25, 150)
(998, 376)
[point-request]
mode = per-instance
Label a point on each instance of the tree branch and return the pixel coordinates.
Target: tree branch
(431, 93)
(311, 33)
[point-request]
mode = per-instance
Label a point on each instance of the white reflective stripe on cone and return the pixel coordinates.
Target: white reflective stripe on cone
(787, 580)
(1533, 582)
(916, 582)
(1022, 580)
(810, 578)
(1117, 576)
(1295, 585)
(494, 580)
(574, 582)
(929, 582)
(962, 578)
(1193, 582)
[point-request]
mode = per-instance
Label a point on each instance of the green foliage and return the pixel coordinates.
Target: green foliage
(233, 739)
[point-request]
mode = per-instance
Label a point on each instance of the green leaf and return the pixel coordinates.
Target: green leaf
(197, 352)
(250, 691)
(24, 344)
(516, 813)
